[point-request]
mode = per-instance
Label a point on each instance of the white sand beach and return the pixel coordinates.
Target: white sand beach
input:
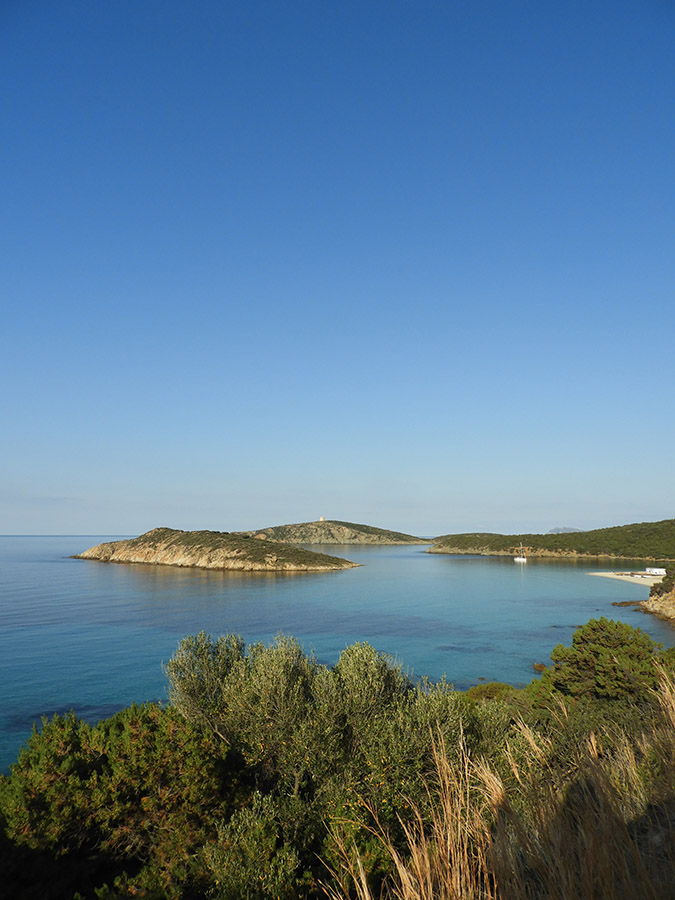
(635, 577)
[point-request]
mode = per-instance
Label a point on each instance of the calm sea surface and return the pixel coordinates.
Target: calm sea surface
(92, 636)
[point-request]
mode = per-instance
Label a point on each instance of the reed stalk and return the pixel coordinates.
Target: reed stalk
(599, 827)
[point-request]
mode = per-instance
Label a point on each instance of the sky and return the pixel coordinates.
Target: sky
(406, 264)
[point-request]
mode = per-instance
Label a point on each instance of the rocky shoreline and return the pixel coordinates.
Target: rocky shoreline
(213, 550)
(662, 606)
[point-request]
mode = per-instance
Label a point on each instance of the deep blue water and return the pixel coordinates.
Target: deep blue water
(92, 636)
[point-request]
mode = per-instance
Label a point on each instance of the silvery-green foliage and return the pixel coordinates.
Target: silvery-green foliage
(369, 680)
(197, 673)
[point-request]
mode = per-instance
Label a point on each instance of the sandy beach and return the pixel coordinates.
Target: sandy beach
(647, 580)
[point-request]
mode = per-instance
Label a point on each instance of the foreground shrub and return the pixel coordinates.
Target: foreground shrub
(607, 661)
(271, 770)
(137, 794)
(600, 828)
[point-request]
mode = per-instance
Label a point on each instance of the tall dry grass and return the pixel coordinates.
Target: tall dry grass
(597, 827)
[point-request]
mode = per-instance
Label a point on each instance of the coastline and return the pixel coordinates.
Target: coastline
(113, 662)
(663, 606)
(542, 553)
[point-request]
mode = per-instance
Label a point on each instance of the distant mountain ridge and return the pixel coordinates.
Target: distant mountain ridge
(213, 550)
(332, 531)
(644, 540)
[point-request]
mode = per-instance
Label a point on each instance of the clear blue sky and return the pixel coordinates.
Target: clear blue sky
(409, 264)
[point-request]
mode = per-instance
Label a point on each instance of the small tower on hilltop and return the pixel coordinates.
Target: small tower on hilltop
(322, 518)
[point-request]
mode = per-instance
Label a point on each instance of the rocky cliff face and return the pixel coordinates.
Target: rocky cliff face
(333, 532)
(213, 550)
(662, 606)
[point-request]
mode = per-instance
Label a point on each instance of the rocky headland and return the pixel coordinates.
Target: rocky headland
(333, 532)
(661, 601)
(663, 606)
(213, 550)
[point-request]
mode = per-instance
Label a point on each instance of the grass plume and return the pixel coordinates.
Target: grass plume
(598, 827)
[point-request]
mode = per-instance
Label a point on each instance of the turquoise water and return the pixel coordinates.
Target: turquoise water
(92, 637)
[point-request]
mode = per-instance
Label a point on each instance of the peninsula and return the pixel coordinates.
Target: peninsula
(333, 532)
(645, 540)
(213, 550)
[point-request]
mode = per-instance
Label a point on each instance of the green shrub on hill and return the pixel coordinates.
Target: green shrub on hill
(647, 540)
(666, 585)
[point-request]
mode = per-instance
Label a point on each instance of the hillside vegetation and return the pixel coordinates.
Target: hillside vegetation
(334, 532)
(646, 540)
(272, 777)
(213, 550)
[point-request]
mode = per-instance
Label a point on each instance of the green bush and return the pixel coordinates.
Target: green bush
(607, 661)
(248, 860)
(138, 794)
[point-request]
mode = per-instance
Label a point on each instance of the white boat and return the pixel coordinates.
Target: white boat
(522, 558)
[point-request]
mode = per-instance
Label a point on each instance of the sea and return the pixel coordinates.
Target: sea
(94, 637)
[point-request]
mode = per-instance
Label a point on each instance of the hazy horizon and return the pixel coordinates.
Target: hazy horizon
(422, 534)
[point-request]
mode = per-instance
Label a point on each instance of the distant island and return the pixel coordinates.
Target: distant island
(214, 550)
(333, 532)
(646, 540)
